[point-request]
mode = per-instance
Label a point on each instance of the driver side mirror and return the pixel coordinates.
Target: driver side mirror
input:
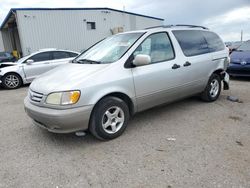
(141, 59)
(29, 61)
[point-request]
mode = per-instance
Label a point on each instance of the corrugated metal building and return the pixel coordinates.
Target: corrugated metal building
(29, 29)
(1, 43)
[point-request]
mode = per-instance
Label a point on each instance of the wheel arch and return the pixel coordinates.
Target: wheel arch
(122, 96)
(219, 72)
(12, 72)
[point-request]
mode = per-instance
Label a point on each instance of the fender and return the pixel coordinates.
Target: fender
(17, 69)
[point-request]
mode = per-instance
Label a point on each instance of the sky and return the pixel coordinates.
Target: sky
(225, 17)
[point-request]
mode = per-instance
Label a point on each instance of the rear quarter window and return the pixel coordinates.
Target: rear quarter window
(214, 41)
(71, 54)
(192, 42)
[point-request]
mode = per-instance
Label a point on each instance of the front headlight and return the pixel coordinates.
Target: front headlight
(63, 98)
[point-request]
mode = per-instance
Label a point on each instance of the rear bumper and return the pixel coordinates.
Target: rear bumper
(59, 121)
(239, 70)
(225, 80)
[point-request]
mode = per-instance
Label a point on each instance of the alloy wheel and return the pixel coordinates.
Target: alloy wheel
(214, 88)
(11, 81)
(113, 120)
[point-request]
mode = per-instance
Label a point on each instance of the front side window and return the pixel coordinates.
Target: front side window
(43, 56)
(214, 42)
(109, 50)
(158, 46)
(192, 42)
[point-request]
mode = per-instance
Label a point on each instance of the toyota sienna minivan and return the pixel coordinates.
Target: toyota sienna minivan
(128, 73)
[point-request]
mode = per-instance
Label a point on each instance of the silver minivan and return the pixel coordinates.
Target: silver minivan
(125, 74)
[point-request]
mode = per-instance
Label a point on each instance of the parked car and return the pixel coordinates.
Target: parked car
(6, 57)
(232, 46)
(125, 74)
(26, 69)
(240, 61)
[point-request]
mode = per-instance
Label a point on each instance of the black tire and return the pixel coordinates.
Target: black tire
(99, 116)
(209, 96)
(11, 81)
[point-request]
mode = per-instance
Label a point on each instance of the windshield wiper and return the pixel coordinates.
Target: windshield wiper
(86, 61)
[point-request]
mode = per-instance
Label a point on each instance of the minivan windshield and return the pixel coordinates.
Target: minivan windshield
(109, 50)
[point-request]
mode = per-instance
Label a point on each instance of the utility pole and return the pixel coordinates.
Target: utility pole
(241, 36)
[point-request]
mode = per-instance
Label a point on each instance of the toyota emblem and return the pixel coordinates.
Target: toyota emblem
(243, 62)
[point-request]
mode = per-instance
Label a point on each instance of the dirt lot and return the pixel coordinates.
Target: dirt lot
(186, 144)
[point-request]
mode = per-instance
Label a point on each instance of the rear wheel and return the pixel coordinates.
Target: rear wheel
(213, 89)
(11, 81)
(109, 119)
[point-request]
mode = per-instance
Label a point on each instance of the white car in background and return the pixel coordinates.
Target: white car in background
(26, 69)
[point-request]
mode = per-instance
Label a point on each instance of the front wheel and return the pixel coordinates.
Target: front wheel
(213, 89)
(109, 119)
(11, 81)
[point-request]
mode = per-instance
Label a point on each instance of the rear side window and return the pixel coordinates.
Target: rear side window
(192, 42)
(44, 56)
(214, 42)
(60, 55)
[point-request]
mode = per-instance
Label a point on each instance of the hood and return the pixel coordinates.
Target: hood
(238, 56)
(7, 64)
(66, 77)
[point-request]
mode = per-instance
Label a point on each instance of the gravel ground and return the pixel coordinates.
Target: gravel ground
(185, 144)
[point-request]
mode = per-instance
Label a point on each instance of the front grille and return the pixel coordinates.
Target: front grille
(35, 96)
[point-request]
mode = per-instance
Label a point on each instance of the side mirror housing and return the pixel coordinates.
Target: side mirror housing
(141, 59)
(29, 61)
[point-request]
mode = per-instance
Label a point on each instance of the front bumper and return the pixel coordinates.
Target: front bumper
(59, 121)
(239, 70)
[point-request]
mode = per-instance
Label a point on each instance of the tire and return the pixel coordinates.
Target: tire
(213, 89)
(11, 81)
(109, 118)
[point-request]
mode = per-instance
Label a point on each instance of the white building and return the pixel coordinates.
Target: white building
(1, 43)
(30, 29)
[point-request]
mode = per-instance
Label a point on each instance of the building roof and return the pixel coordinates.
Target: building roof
(13, 10)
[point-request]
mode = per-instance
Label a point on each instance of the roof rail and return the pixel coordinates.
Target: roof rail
(178, 25)
(159, 26)
(46, 49)
(186, 25)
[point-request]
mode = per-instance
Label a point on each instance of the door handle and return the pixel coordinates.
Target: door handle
(175, 66)
(47, 63)
(186, 64)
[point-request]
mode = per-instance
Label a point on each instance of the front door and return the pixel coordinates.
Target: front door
(41, 64)
(163, 80)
